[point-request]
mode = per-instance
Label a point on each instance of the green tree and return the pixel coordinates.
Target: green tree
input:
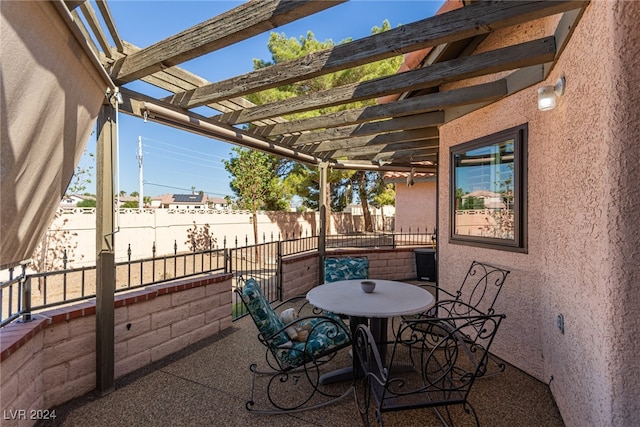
(383, 195)
(300, 179)
(459, 194)
(87, 203)
(472, 202)
(304, 181)
(255, 182)
(82, 175)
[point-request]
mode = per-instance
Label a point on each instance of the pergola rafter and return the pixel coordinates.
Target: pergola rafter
(439, 90)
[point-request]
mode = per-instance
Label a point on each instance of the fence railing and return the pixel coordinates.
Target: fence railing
(12, 296)
(25, 293)
(381, 240)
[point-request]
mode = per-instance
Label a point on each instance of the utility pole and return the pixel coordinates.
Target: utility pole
(139, 157)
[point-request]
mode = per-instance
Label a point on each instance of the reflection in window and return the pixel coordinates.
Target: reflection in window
(488, 191)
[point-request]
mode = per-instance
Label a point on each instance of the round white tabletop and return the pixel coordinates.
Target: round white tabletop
(389, 298)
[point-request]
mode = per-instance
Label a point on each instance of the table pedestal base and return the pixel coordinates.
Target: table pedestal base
(379, 332)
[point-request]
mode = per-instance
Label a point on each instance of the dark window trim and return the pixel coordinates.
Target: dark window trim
(520, 242)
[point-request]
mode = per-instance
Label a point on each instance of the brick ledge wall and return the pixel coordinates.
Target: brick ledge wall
(51, 359)
(300, 272)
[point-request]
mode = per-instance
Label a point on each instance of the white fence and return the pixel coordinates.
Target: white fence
(139, 230)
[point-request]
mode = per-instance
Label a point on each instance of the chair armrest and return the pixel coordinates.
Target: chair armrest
(435, 289)
(455, 308)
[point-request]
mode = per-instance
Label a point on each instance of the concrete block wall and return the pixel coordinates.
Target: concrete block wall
(299, 274)
(387, 264)
(50, 360)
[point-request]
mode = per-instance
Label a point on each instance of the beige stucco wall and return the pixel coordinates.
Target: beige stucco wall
(416, 206)
(583, 200)
(139, 230)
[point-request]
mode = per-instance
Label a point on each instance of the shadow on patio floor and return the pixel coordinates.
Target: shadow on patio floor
(208, 385)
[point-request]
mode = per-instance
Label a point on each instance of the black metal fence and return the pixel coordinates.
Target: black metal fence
(20, 295)
(12, 296)
(262, 262)
(26, 292)
(381, 240)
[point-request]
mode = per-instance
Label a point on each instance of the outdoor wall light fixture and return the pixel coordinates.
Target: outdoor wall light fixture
(548, 95)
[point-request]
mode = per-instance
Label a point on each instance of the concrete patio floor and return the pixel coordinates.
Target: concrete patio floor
(209, 383)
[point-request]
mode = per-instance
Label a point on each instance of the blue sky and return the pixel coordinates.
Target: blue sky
(175, 161)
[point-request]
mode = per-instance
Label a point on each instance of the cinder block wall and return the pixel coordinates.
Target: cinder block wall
(300, 273)
(387, 264)
(51, 359)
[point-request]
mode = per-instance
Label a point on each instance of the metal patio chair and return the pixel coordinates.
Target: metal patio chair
(432, 363)
(479, 289)
(476, 296)
(291, 380)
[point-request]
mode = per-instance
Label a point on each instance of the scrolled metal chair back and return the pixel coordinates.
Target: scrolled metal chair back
(481, 286)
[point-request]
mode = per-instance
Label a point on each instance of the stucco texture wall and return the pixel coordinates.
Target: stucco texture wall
(416, 207)
(583, 200)
(139, 231)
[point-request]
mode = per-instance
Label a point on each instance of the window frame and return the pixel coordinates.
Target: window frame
(519, 243)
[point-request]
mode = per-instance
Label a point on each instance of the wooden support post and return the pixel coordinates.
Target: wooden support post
(322, 207)
(105, 257)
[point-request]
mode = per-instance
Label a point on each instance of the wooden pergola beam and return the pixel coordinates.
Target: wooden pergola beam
(468, 22)
(240, 23)
(486, 92)
(416, 121)
(380, 139)
(507, 58)
(176, 79)
(409, 156)
(92, 20)
(371, 151)
(111, 26)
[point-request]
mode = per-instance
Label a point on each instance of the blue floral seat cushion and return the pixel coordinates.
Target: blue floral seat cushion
(264, 316)
(324, 335)
(347, 268)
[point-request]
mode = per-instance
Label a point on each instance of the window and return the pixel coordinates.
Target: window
(488, 191)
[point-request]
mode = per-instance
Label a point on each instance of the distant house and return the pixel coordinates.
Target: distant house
(218, 203)
(491, 199)
(180, 201)
(415, 200)
(72, 200)
(122, 199)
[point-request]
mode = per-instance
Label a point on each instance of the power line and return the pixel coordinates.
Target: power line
(184, 148)
(184, 161)
(180, 153)
(185, 189)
